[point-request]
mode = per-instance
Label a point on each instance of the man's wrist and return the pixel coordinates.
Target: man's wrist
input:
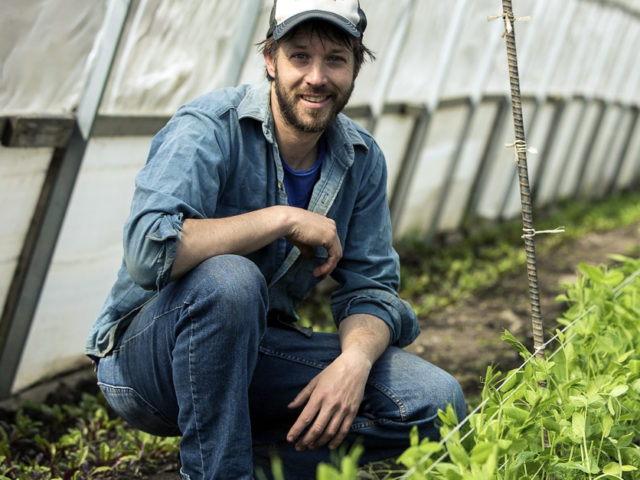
(367, 334)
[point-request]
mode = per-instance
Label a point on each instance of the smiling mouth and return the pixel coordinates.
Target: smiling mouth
(315, 98)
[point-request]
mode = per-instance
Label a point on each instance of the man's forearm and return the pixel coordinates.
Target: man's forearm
(241, 234)
(246, 233)
(365, 335)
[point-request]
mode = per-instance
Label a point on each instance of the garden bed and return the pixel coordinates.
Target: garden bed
(466, 292)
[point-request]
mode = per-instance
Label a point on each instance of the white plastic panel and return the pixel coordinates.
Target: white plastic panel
(473, 49)
(392, 133)
(611, 154)
(253, 63)
(382, 17)
(86, 259)
(502, 175)
(536, 135)
(190, 42)
(574, 145)
(434, 161)
(615, 62)
(418, 66)
(576, 48)
(563, 158)
(45, 47)
(630, 171)
(603, 152)
(467, 168)
(22, 172)
(536, 39)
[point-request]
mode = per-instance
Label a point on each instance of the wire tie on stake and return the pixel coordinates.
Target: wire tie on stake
(508, 28)
(538, 350)
(531, 232)
(521, 147)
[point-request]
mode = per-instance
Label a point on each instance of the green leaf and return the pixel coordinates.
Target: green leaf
(516, 344)
(595, 274)
(620, 258)
(578, 424)
(607, 423)
(619, 390)
(612, 468)
(515, 413)
(103, 469)
(481, 451)
(458, 454)
(578, 401)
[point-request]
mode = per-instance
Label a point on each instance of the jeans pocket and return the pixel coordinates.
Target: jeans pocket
(137, 412)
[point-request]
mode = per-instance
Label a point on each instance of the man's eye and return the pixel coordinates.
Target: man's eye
(336, 59)
(299, 56)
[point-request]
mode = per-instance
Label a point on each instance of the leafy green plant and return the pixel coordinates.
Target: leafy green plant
(584, 424)
(76, 442)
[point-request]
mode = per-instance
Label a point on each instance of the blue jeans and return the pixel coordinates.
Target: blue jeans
(200, 361)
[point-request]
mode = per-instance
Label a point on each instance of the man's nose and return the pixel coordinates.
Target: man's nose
(316, 75)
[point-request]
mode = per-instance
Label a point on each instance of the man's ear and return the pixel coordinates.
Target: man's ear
(270, 63)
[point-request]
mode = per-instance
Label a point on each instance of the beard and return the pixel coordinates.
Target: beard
(310, 121)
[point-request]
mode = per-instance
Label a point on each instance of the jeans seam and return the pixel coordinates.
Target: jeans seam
(193, 394)
(123, 388)
(150, 325)
(402, 408)
(293, 358)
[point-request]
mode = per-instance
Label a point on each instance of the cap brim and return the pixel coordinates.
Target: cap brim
(341, 22)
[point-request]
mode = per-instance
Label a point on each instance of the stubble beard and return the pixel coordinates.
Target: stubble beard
(316, 121)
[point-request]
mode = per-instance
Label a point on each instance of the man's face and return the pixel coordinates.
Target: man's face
(313, 80)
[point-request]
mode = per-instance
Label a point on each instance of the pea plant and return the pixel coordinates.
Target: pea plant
(584, 424)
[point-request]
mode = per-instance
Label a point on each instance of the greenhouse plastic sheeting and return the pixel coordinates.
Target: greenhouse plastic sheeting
(22, 172)
(86, 258)
(44, 53)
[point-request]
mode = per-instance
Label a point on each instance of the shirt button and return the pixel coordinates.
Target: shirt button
(280, 186)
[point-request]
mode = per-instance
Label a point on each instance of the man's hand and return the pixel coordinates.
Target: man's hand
(332, 400)
(310, 229)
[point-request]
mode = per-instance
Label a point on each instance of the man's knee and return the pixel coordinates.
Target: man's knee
(418, 388)
(229, 286)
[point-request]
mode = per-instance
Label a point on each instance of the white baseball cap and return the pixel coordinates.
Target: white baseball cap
(345, 14)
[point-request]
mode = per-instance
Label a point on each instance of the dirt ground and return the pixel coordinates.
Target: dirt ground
(465, 338)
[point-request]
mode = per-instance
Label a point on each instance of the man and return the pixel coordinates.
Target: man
(249, 197)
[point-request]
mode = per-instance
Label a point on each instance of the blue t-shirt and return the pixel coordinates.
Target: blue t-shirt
(299, 183)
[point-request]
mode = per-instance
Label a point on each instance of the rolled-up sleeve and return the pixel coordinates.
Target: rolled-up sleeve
(392, 310)
(167, 192)
(149, 259)
(369, 272)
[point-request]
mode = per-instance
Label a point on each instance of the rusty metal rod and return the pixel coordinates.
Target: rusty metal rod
(520, 146)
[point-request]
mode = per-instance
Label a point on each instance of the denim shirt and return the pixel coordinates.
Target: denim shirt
(218, 157)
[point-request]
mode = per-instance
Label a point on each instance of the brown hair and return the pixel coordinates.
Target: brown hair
(325, 31)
